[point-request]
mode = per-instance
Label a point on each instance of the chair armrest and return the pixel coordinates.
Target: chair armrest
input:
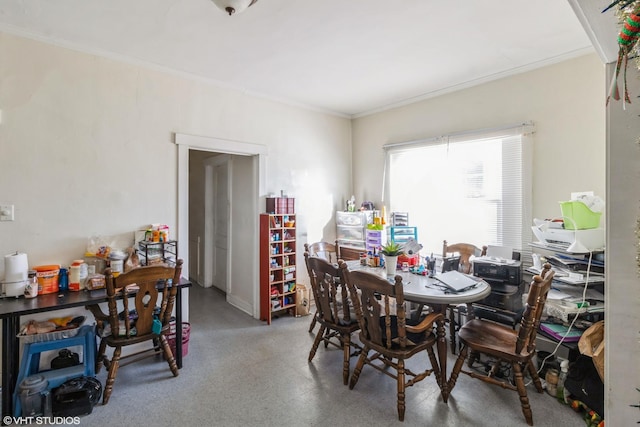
(426, 323)
(97, 312)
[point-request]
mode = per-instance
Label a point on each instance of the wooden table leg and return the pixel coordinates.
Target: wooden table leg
(442, 350)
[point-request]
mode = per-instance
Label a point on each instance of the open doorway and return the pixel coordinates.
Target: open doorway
(210, 190)
(225, 170)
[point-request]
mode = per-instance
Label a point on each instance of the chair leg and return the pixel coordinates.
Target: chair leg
(313, 322)
(168, 354)
(522, 391)
(435, 366)
(472, 358)
(534, 375)
(401, 386)
(316, 342)
(457, 367)
(358, 368)
(327, 336)
(346, 349)
(452, 329)
(417, 313)
(113, 371)
(100, 357)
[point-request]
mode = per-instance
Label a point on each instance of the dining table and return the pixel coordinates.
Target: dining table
(428, 290)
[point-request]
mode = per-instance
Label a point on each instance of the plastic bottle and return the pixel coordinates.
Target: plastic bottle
(560, 391)
(63, 280)
(74, 277)
(31, 288)
(552, 382)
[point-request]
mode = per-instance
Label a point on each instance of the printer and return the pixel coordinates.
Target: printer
(507, 286)
(573, 241)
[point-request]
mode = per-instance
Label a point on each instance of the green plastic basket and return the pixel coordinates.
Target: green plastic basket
(577, 216)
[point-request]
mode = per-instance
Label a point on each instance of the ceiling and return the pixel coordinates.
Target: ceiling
(348, 57)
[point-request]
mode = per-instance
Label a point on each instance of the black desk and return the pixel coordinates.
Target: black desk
(12, 308)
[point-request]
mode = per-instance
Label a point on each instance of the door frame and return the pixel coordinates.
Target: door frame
(187, 142)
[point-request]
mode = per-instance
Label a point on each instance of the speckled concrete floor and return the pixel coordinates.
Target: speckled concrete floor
(241, 372)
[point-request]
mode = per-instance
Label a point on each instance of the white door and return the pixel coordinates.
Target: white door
(221, 225)
(217, 208)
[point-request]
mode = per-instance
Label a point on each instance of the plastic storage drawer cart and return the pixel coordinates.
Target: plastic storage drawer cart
(402, 234)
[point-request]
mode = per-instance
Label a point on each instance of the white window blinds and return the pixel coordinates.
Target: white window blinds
(472, 187)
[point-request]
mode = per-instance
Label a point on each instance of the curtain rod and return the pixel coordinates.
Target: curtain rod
(478, 132)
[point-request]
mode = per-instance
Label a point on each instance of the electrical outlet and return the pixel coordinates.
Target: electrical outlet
(6, 213)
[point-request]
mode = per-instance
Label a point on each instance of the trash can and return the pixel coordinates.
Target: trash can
(171, 337)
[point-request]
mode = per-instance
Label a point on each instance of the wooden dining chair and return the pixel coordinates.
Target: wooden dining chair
(334, 310)
(328, 251)
(463, 253)
(508, 346)
(348, 254)
(388, 337)
(144, 316)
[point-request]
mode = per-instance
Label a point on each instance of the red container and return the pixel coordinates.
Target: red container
(409, 259)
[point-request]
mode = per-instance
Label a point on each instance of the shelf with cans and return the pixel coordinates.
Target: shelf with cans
(278, 270)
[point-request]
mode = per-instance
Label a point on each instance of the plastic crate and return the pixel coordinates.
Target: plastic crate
(577, 216)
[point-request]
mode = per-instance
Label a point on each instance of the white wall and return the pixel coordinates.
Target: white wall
(622, 370)
(565, 101)
(86, 147)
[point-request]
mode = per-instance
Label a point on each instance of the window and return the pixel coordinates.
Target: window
(471, 187)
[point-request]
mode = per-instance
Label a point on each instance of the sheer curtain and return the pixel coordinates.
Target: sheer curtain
(472, 187)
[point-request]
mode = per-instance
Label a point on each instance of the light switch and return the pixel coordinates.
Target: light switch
(6, 213)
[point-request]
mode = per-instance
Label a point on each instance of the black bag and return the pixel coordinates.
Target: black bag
(65, 359)
(585, 385)
(76, 396)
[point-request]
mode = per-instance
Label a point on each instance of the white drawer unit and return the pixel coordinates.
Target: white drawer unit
(354, 219)
(353, 244)
(350, 233)
(351, 228)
